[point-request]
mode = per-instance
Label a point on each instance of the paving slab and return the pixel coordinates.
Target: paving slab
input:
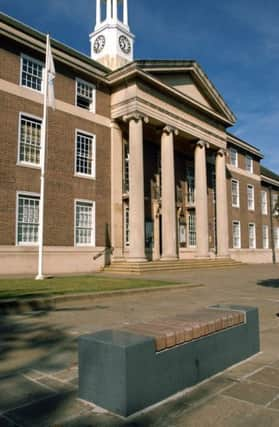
(268, 375)
(252, 392)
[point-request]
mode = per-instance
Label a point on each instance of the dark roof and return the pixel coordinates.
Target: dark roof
(58, 45)
(244, 142)
(269, 174)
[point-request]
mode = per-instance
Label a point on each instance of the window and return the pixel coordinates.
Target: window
(192, 230)
(252, 236)
(85, 154)
(276, 237)
(275, 203)
(126, 226)
(235, 193)
(85, 223)
(236, 235)
(249, 164)
(126, 167)
(265, 237)
(85, 95)
(29, 140)
(28, 208)
(234, 157)
(190, 185)
(251, 197)
(31, 73)
(264, 202)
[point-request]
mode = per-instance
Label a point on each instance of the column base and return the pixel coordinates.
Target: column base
(169, 258)
(136, 259)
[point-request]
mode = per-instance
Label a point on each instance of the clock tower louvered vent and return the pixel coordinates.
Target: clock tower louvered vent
(112, 43)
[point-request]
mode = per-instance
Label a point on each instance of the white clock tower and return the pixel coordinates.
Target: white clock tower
(112, 43)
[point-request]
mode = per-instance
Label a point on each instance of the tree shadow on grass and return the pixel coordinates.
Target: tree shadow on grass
(269, 283)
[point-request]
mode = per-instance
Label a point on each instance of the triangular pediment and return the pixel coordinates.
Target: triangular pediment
(188, 78)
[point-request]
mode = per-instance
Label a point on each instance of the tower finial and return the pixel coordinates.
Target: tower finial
(112, 42)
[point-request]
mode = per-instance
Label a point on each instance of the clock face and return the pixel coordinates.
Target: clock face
(125, 44)
(99, 44)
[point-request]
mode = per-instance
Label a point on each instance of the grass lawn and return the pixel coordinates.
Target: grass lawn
(27, 288)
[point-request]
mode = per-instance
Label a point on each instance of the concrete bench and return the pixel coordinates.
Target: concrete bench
(131, 368)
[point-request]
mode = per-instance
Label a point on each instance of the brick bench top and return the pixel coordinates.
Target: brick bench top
(169, 332)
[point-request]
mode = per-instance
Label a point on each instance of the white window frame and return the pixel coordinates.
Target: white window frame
(93, 236)
(252, 225)
(264, 202)
(265, 236)
(236, 157)
(189, 233)
(92, 108)
(274, 200)
(31, 195)
(93, 160)
(36, 61)
(252, 200)
(126, 227)
(238, 246)
(21, 162)
(237, 205)
(247, 168)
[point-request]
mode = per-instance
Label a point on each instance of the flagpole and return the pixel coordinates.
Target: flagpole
(40, 275)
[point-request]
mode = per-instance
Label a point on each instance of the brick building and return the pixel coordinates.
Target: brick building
(139, 164)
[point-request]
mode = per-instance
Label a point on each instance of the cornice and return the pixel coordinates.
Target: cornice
(243, 172)
(270, 181)
(245, 146)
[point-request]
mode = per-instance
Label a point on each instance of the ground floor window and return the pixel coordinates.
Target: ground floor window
(84, 223)
(276, 237)
(252, 236)
(28, 208)
(265, 237)
(126, 226)
(236, 235)
(192, 235)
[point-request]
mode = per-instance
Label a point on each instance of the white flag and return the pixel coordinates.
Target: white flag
(50, 77)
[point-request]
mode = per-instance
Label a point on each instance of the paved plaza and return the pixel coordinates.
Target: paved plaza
(38, 357)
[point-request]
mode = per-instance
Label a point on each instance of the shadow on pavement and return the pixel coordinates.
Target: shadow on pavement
(269, 283)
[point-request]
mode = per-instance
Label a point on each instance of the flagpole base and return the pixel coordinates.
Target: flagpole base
(40, 277)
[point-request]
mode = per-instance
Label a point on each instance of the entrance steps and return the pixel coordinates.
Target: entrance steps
(125, 267)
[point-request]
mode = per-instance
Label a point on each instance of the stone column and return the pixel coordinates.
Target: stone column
(116, 191)
(222, 206)
(169, 233)
(201, 199)
(136, 190)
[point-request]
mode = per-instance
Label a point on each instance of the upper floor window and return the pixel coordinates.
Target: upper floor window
(234, 157)
(84, 223)
(249, 164)
(236, 235)
(85, 154)
(31, 73)
(29, 140)
(235, 193)
(190, 185)
(264, 202)
(251, 197)
(275, 204)
(252, 236)
(85, 95)
(28, 207)
(126, 167)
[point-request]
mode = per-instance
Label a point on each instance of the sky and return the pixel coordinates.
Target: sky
(236, 43)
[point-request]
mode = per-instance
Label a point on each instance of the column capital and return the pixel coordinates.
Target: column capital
(136, 116)
(169, 129)
(114, 124)
(202, 144)
(222, 153)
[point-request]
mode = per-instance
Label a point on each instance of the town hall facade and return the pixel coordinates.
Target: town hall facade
(140, 163)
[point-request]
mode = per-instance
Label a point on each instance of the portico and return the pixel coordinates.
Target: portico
(162, 205)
